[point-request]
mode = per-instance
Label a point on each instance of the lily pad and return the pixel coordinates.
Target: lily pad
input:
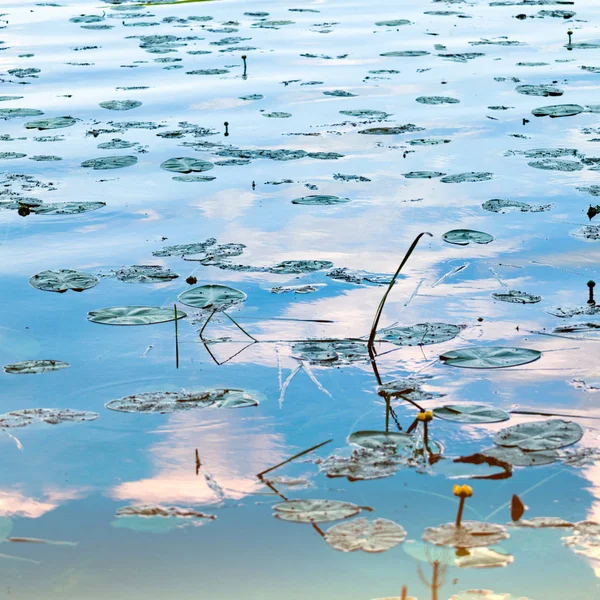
(51, 123)
(66, 208)
(585, 539)
(558, 110)
(14, 113)
(298, 267)
(186, 165)
(314, 511)
(463, 237)
(376, 440)
(110, 162)
(317, 200)
(423, 174)
(145, 274)
(539, 90)
(120, 104)
(499, 205)
(470, 534)
(360, 534)
(185, 249)
(408, 128)
(393, 23)
(33, 367)
(277, 115)
(489, 357)
(428, 141)
(62, 280)
(363, 464)
(540, 435)
(207, 72)
(170, 402)
(371, 114)
(133, 315)
(421, 334)
(214, 296)
(555, 164)
(471, 177)
(318, 352)
(340, 94)
(405, 53)
(471, 413)
(437, 100)
(588, 232)
(543, 523)
(517, 297)
(51, 416)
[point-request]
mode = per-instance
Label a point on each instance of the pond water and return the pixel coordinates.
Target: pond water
(330, 132)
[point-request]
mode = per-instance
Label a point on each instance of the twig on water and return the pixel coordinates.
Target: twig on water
(285, 462)
(176, 338)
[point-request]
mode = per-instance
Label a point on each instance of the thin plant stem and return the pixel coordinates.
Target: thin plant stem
(240, 327)
(212, 314)
(459, 514)
(285, 462)
(176, 338)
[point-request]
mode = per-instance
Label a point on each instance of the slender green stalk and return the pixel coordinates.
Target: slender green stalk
(459, 514)
(391, 285)
(176, 338)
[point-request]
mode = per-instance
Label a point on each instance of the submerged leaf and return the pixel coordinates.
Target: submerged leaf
(376, 440)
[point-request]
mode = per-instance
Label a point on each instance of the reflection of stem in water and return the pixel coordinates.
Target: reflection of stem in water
(439, 570)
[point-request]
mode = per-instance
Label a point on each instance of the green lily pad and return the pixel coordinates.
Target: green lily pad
(298, 267)
(489, 357)
(314, 511)
(277, 115)
(558, 110)
(120, 104)
(365, 464)
(207, 72)
(463, 237)
(539, 90)
(252, 97)
(62, 280)
(499, 205)
(471, 413)
(14, 113)
(321, 353)
(423, 174)
(339, 94)
(145, 274)
(317, 200)
(66, 208)
(540, 435)
(51, 123)
(11, 155)
(185, 249)
(542, 523)
(214, 296)
(371, 114)
(428, 141)
(116, 144)
(133, 315)
(397, 130)
(186, 165)
(33, 367)
(517, 297)
(556, 164)
(374, 536)
(421, 334)
(393, 23)
(470, 534)
(405, 53)
(471, 177)
(376, 440)
(435, 100)
(171, 402)
(51, 416)
(110, 162)
(585, 539)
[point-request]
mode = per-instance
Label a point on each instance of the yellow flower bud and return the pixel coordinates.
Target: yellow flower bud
(421, 416)
(570, 32)
(467, 491)
(456, 489)
(428, 415)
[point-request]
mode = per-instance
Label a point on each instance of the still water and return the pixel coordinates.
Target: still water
(179, 66)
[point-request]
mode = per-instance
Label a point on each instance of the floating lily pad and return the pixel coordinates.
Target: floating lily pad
(371, 114)
(470, 534)
(564, 312)
(471, 177)
(555, 164)
(314, 511)
(207, 72)
(66, 208)
(540, 435)
(193, 178)
(517, 297)
(170, 402)
(585, 539)
(588, 232)
(498, 205)
(375, 440)
(51, 416)
(51, 123)
(539, 90)
(214, 296)
(318, 352)
(14, 113)
(360, 534)
(320, 200)
(277, 115)
(151, 511)
(428, 141)
(421, 334)
(133, 315)
(519, 458)
(185, 249)
(558, 110)
(297, 289)
(463, 237)
(543, 523)
(120, 104)
(363, 464)
(408, 387)
(216, 255)
(145, 274)
(437, 100)
(110, 162)
(62, 280)
(298, 267)
(408, 128)
(340, 94)
(252, 97)
(471, 413)
(423, 174)
(116, 144)
(489, 357)
(33, 367)
(11, 155)
(393, 23)
(405, 53)
(186, 165)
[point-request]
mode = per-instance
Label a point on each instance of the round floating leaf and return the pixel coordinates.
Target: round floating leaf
(314, 511)
(471, 177)
(32, 367)
(133, 315)
(186, 165)
(207, 72)
(517, 297)
(585, 539)
(317, 200)
(360, 534)
(52, 123)
(421, 334)
(498, 205)
(217, 297)
(489, 357)
(297, 267)
(170, 402)
(471, 413)
(437, 100)
(277, 115)
(66, 208)
(145, 274)
(116, 144)
(318, 352)
(393, 23)
(14, 113)
(365, 463)
(539, 90)
(470, 534)
(51, 416)
(423, 174)
(252, 97)
(558, 110)
(120, 104)
(405, 53)
(556, 164)
(371, 114)
(62, 280)
(519, 458)
(375, 440)
(408, 128)
(109, 162)
(542, 523)
(540, 435)
(463, 237)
